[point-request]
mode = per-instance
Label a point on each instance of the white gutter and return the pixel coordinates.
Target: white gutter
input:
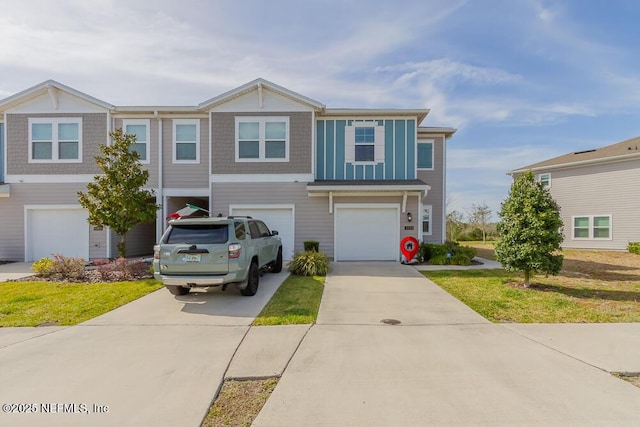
(160, 214)
(604, 160)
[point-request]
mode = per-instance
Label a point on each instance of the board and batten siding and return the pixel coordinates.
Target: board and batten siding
(13, 226)
(94, 134)
(223, 142)
(605, 189)
(399, 151)
(435, 197)
(184, 175)
(312, 218)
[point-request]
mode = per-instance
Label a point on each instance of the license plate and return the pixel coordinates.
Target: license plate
(192, 258)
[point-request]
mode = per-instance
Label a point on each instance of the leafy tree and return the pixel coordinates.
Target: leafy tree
(116, 198)
(455, 224)
(530, 229)
(479, 216)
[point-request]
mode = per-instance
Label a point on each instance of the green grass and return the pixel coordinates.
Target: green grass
(549, 300)
(296, 302)
(58, 303)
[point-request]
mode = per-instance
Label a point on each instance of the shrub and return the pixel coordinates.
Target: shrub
(123, 269)
(460, 259)
(43, 267)
(634, 247)
(439, 260)
(449, 253)
(309, 263)
(311, 245)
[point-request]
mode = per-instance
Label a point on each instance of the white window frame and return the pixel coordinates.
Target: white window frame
(177, 122)
(433, 154)
(262, 120)
(350, 142)
(592, 227)
(54, 122)
(548, 180)
(145, 122)
(430, 209)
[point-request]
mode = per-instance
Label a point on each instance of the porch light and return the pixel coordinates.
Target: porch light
(409, 217)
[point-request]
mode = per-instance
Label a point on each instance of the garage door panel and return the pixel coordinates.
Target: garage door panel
(279, 219)
(57, 231)
(367, 234)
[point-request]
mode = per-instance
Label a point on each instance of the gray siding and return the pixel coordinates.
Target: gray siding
(1, 152)
(94, 133)
(223, 145)
(312, 218)
(185, 175)
(435, 178)
(609, 189)
(12, 228)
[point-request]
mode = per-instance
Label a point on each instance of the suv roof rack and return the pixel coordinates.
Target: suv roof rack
(239, 216)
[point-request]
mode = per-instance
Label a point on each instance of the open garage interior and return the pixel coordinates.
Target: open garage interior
(174, 204)
(367, 232)
(53, 230)
(276, 217)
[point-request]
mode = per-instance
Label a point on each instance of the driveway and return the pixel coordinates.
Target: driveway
(443, 365)
(157, 361)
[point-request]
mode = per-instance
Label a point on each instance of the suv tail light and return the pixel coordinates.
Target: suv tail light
(156, 252)
(234, 250)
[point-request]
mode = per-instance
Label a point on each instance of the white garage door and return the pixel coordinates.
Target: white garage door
(57, 231)
(367, 233)
(276, 218)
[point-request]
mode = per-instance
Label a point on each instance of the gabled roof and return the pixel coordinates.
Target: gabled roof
(45, 87)
(258, 84)
(619, 151)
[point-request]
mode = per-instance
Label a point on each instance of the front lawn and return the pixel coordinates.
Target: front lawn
(593, 286)
(296, 302)
(59, 303)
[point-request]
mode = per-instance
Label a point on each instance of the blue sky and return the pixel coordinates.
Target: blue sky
(522, 81)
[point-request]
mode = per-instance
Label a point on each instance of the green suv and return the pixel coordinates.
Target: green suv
(203, 252)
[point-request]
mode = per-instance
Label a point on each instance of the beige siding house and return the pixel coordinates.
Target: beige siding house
(356, 180)
(598, 194)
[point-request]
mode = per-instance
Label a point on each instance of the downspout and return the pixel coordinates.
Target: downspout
(160, 195)
(444, 188)
(111, 123)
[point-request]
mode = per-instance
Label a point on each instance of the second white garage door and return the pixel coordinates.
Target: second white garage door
(277, 217)
(57, 230)
(367, 232)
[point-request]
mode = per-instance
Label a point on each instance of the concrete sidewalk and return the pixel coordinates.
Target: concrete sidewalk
(441, 368)
(15, 270)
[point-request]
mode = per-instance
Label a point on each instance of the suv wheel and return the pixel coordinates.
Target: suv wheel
(177, 290)
(252, 281)
(277, 267)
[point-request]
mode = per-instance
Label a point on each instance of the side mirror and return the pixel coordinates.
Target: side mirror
(274, 232)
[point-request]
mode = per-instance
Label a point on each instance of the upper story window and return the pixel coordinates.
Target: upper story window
(262, 139)
(545, 179)
(186, 141)
(364, 142)
(365, 139)
(139, 128)
(592, 227)
(55, 140)
(425, 154)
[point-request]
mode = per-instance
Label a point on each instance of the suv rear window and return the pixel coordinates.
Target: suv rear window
(198, 234)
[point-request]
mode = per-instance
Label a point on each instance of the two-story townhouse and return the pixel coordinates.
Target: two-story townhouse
(358, 181)
(597, 193)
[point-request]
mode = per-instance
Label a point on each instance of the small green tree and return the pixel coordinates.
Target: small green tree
(529, 230)
(116, 198)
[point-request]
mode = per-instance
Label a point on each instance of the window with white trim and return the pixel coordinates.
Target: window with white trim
(186, 141)
(364, 142)
(427, 212)
(139, 128)
(55, 140)
(425, 154)
(592, 227)
(262, 139)
(545, 179)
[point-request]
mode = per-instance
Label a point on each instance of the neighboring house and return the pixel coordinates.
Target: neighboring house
(356, 180)
(598, 194)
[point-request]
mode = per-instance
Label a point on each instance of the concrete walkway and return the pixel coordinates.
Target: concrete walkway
(15, 270)
(443, 365)
(157, 361)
